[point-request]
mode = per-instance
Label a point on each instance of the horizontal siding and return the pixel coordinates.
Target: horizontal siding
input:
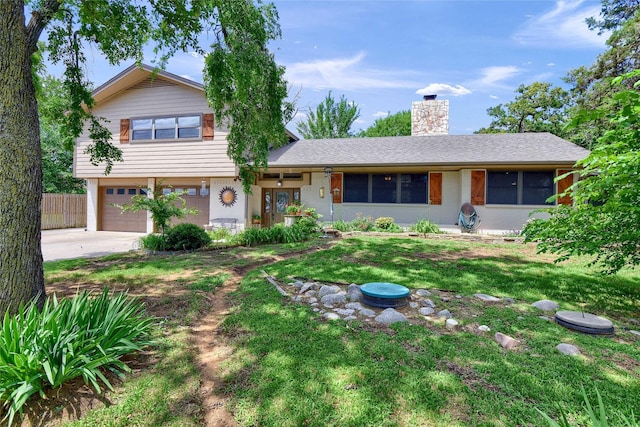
(180, 158)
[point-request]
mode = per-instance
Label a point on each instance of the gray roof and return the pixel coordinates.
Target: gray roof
(436, 150)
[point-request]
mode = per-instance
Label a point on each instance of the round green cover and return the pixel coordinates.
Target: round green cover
(384, 290)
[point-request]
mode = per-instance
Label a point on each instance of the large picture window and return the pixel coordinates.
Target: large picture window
(386, 188)
(519, 187)
(159, 128)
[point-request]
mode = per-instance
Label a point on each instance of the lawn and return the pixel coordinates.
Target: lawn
(287, 366)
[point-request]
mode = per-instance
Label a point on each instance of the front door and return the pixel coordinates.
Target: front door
(275, 202)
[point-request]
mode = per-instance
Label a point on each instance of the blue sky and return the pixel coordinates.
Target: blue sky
(383, 55)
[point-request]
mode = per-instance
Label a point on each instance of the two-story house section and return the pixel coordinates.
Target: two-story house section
(167, 134)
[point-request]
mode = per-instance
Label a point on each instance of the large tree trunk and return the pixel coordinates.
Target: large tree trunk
(21, 275)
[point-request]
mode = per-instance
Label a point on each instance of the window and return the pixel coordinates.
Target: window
(386, 188)
(519, 188)
(156, 128)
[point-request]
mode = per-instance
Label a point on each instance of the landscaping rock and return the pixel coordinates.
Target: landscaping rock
(331, 316)
(634, 321)
(484, 328)
(444, 313)
(367, 312)
(426, 311)
(445, 299)
(428, 303)
(634, 332)
(297, 284)
(327, 290)
(335, 298)
(354, 306)
(568, 349)
(304, 288)
(458, 296)
(505, 341)
(548, 319)
(355, 294)
(414, 304)
(509, 300)
(487, 298)
(423, 293)
(546, 305)
(389, 316)
(451, 324)
(344, 311)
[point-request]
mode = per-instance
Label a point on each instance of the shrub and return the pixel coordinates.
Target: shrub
(187, 237)
(154, 242)
(425, 227)
(301, 230)
(221, 233)
(386, 223)
(341, 225)
(362, 223)
(65, 340)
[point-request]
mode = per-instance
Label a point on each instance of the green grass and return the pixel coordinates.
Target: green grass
(289, 367)
(298, 370)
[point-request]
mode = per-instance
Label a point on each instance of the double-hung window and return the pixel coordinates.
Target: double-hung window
(163, 128)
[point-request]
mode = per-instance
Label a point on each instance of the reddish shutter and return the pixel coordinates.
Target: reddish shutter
(563, 185)
(478, 179)
(124, 131)
(435, 188)
(207, 127)
(336, 187)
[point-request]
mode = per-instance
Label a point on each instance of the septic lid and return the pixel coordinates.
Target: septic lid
(584, 322)
(384, 290)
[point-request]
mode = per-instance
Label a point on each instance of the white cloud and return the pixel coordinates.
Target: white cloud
(551, 64)
(563, 26)
(380, 114)
(491, 76)
(345, 74)
(443, 89)
(493, 97)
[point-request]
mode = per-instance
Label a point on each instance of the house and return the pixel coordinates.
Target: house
(168, 136)
(427, 175)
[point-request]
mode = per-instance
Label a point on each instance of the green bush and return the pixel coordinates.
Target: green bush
(424, 226)
(220, 233)
(341, 225)
(301, 230)
(185, 237)
(65, 340)
(154, 242)
(387, 223)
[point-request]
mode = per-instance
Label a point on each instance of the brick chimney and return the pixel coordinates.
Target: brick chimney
(430, 117)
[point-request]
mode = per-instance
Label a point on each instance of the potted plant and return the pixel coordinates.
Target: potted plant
(256, 219)
(294, 210)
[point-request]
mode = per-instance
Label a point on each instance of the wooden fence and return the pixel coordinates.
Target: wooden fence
(64, 211)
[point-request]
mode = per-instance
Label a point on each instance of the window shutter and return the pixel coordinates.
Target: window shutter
(124, 131)
(207, 127)
(435, 188)
(336, 184)
(478, 179)
(563, 185)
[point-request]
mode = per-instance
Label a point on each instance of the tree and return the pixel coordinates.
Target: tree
(250, 96)
(57, 154)
(538, 107)
(162, 206)
(592, 87)
(604, 221)
(330, 120)
(398, 124)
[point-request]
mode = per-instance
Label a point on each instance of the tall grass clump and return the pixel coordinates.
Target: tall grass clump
(80, 336)
(424, 226)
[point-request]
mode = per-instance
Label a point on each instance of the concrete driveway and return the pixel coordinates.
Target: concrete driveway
(77, 243)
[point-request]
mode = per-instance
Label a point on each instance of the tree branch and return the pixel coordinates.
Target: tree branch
(39, 20)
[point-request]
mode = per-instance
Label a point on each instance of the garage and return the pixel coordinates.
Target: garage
(113, 219)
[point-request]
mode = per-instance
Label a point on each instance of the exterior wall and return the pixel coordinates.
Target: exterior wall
(238, 210)
(195, 158)
(430, 117)
(92, 205)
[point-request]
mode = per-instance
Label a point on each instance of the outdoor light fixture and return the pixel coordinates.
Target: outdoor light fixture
(279, 183)
(322, 192)
(203, 186)
(328, 171)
